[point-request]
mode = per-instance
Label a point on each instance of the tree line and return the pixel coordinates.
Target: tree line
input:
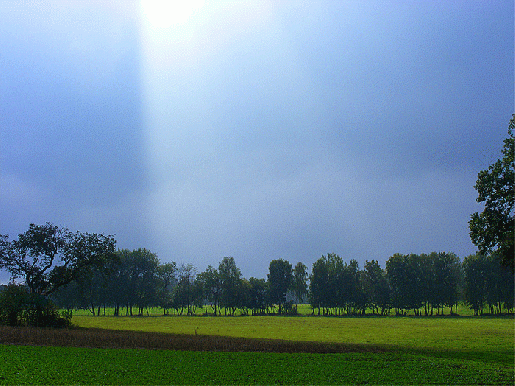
(423, 284)
(83, 271)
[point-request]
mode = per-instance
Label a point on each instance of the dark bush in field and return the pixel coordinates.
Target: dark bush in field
(19, 307)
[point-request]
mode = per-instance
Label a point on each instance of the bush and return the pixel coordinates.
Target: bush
(19, 307)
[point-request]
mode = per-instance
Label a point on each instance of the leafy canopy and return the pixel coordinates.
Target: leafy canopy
(47, 257)
(492, 229)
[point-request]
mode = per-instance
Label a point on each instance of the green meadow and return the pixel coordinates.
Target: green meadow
(408, 350)
(492, 335)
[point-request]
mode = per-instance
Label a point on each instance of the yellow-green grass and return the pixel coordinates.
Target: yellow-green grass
(459, 333)
(485, 338)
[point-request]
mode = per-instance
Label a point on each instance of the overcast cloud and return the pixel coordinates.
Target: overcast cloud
(258, 130)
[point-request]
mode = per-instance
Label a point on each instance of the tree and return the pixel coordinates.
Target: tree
(348, 289)
(136, 280)
(47, 257)
(167, 280)
(443, 274)
(184, 292)
(299, 282)
(377, 287)
(230, 278)
(145, 276)
(339, 286)
(475, 267)
(493, 229)
(326, 284)
(210, 280)
(318, 284)
(279, 279)
(487, 283)
(18, 306)
(405, 274)
(4, 244)
(258, 296)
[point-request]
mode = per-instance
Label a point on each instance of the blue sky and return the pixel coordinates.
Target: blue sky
(258, 130)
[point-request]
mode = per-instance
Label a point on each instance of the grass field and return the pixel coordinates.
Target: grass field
(467, 334)
(57, 365)
(405, 350)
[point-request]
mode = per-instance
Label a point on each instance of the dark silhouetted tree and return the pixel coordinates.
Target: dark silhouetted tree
(230, 278)
(210, 280)
(299, 284)
(279, 281)
(47, 257)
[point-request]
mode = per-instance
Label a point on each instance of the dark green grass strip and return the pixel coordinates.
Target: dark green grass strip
(72, 365)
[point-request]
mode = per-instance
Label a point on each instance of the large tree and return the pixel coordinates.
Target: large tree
(279, 279)
(444, 276)
(492, 229)
(185, 290)
(258, 296)
(210, 280)
(230, 280)
(406, 276)
(299, 282)
(47, 257)
(376, 286)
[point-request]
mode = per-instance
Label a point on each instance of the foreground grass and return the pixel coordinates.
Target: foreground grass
(58, 365)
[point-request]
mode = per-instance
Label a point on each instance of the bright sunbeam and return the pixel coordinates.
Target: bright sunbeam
(171, 13)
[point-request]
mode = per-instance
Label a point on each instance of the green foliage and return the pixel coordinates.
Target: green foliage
(377, 287)
(493, 229)
(487, 283)
(337, 286)
(230, 282)
(47, 257)
(299, 285)
(279, 281)
(19, 307)
(258, 300)
(428, 281)
(210, 281)
(187, 293)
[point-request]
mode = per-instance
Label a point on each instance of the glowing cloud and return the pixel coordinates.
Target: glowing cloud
(168, 14)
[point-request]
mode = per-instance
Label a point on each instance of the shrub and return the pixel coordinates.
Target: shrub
(19, 307)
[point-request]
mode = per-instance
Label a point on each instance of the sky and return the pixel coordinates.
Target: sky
(259, 130)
